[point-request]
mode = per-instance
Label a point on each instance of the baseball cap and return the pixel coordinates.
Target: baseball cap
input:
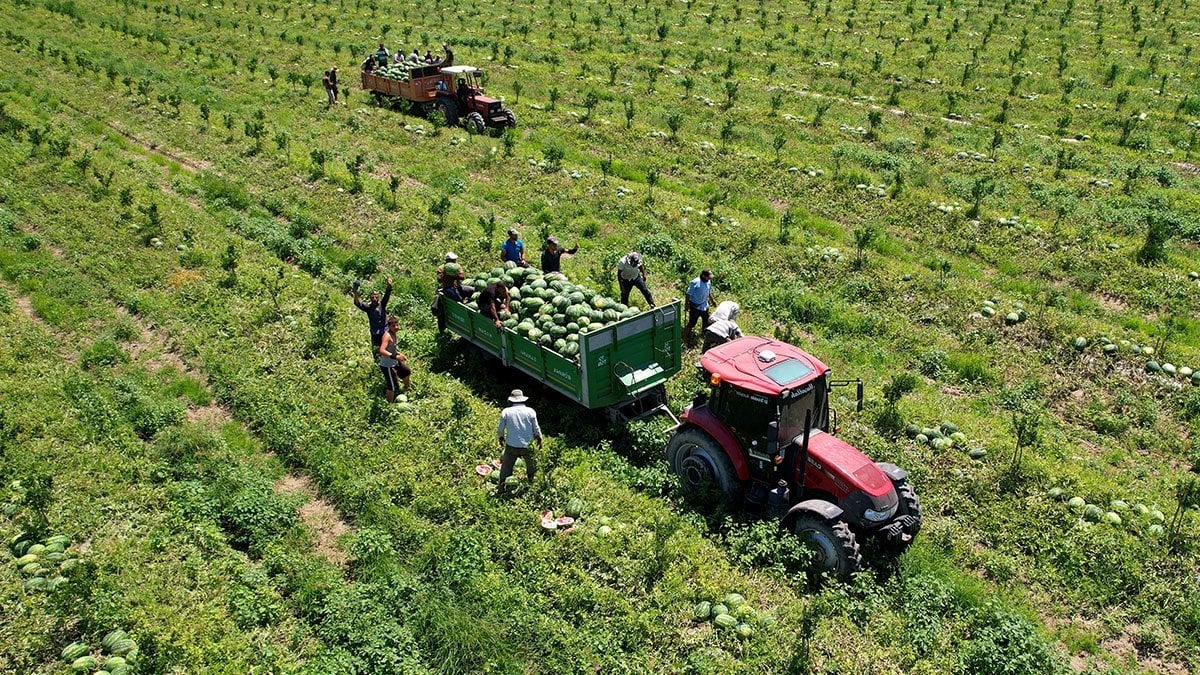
(552, 240)
(451, 256)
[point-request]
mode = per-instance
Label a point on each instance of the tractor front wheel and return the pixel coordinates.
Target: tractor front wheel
(834, 547)
(475, 123)
(910, 507)
(702, 466)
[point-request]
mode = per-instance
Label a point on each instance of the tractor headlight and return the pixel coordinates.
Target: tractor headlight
(879, 516)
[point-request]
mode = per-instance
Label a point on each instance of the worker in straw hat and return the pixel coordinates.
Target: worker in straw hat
(517, 431)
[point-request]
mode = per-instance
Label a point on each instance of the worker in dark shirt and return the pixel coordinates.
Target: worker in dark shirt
(493, 299)
(552, 256)
(376, 309)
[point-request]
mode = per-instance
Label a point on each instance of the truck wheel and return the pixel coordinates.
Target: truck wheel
(834, 545)
(702, 466)
(475, 123)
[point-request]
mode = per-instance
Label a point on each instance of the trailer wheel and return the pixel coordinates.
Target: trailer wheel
(475, 123)
(834, 546)
(703, 467)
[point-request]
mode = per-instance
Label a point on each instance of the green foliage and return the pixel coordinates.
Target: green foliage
(101, 353)
(1004, 643)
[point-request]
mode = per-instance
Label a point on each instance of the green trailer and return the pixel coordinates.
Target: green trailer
(620, 368)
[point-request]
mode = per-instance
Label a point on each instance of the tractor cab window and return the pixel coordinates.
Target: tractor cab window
(746, 414)
(791, 420)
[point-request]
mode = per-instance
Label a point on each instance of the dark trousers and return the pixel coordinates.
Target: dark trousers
(376, 340)
(712, 340)
(509, 458)
(638, 283)
(694, 315)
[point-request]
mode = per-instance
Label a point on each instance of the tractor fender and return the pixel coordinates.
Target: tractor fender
(893, 472)
(703, 418)
(827, 510)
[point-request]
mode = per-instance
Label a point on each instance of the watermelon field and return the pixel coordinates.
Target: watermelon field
(989, 211)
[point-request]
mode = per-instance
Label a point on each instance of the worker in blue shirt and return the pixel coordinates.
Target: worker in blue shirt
(699, 294)
(513, 249)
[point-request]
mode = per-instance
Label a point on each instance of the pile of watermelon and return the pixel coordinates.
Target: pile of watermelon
(944, 437)
(732, 613)
(551, 310)
(990, 308)
(117, 655)
(46, 563)
(1138, 517)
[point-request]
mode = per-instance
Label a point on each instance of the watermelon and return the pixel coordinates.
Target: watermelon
(744, 631)
(1093, 513)
(977, 453)
(75, 650)
(1012, 318)
(988, 310)
(1119, 505)
(1076, 504)
(922, 439)
(604, 530)
(1148, 351)
(1184, 371)
(574, 508)
(1141, 509)
(494, 476)
(1168, 369)
(1055, 493)
(511, 483)
(1112, 518)
(571, 349)
(26, 559)
(703, 611)
(1110, 349)
(483, 470)
(725, 621)
(1080, 343)
(36, 549)
(84, 664)
(54, 583)
(733, 601)
(1153, 367)
(720, 608)
(1157, 516)
(1196, 378)
(565, 521)
(1155, 530)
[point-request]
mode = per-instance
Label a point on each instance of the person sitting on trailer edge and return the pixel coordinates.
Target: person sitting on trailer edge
(441, 87)
(552, 256)
(493, 299)
(450, 276)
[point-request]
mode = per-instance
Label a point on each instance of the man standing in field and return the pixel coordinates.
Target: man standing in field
(513, 249)
(552, 256)
(699, 294)
(631, 273)
(376, 310)
(517, 430)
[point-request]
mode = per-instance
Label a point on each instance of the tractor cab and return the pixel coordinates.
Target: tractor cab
(764, 392)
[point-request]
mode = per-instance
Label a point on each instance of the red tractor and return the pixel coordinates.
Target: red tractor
(763, 438)
(452, 94)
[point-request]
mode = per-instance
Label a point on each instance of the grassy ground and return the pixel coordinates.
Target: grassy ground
(112, 109)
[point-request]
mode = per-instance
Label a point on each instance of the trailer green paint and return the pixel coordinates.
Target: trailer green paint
(616, 367)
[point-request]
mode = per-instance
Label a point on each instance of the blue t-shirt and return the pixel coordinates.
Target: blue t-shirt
(512, 250)
(698, 292)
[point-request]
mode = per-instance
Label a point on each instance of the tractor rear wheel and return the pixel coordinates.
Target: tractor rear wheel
(702, 466)
(446, 110)
(835, 548)
(475, 123)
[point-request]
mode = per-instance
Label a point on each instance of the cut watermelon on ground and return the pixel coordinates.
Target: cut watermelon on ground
(483, 469)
